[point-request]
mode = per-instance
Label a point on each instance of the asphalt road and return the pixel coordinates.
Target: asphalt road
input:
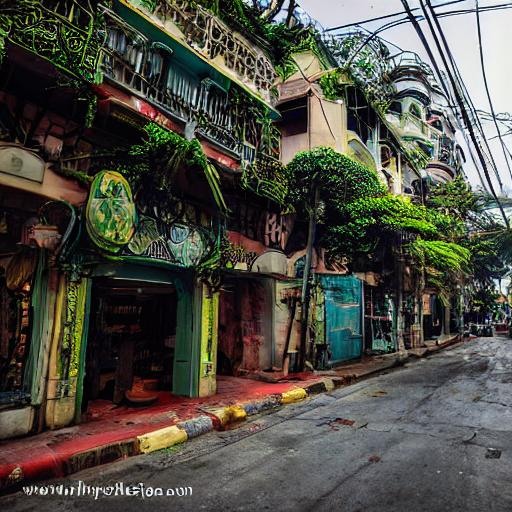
(432, 436)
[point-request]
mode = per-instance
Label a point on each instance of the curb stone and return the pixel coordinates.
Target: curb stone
(214, 419)
(196, 426)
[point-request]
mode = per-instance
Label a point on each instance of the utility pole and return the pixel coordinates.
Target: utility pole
(306, 278)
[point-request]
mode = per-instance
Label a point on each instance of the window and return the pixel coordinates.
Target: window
(294, 117)
(415, 110)
(395, 107)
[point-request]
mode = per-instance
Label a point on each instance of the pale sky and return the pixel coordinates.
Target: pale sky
(461, 33)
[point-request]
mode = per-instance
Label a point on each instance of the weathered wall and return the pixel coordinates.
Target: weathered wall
(285, 293)
(246, 324)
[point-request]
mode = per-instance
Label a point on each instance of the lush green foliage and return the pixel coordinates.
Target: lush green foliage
(155, 163)
(454, 198)
(339, 179)
(445, 257)
(366, 221)
(445, 264)
(331, 85)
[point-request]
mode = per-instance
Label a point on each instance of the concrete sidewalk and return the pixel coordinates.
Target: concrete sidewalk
(125, 431)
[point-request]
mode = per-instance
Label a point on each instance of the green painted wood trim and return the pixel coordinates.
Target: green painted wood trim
(188, 325)
(185, 380)
(83, 352)
(143, 271)
(38, 306)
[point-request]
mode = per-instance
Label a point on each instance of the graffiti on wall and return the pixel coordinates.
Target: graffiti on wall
(241, 253)
(269, 228)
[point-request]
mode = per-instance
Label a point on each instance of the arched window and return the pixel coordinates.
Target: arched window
(415, 110)
(385, 156)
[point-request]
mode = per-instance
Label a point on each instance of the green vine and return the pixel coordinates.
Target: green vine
(331, 85)
(156, 162)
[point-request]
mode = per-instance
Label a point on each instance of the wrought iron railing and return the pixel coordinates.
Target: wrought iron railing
(133, 61)
(265, 177)
(213, 39)
(62, 32)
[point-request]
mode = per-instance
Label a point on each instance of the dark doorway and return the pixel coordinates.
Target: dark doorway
(132, 337)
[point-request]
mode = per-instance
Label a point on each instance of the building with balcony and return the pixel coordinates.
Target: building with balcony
(140, 170)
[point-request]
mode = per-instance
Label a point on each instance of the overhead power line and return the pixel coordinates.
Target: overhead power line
(486, 85)
(460, 100)
(458, 97)
(406, 19)
(387, 16)
(474, 118)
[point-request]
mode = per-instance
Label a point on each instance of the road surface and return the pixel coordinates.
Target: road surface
(434, 435)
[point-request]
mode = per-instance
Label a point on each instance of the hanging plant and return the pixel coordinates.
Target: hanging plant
(162, 155)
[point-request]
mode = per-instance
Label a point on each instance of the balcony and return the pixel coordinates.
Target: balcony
(265, 178)
(222, 113)
(213, 40)
(410, 126)
(61, 32)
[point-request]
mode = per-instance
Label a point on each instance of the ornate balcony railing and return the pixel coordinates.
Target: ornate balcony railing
(62, 32)
(265, 177)
(215, 41)
(230, 119)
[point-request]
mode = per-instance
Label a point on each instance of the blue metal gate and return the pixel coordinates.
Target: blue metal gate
(343, 313)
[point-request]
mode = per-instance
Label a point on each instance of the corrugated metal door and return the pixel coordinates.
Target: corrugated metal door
(343, 302)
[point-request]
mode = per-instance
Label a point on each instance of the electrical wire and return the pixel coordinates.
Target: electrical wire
(445, 14)
(486, 85)
(460, 100)
(461, 87)
(378, 18)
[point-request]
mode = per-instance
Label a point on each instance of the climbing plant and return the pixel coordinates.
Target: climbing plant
(155, 163)
(331, 85)
(48, 32)
(366, 61)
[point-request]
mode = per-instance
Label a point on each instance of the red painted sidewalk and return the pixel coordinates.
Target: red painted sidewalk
(51, 454)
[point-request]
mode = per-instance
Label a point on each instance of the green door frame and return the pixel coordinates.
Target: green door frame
(188, 326)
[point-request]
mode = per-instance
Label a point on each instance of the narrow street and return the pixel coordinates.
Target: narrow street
(434, 435)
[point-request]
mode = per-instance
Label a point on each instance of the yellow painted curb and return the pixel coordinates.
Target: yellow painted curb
(293, 395)
(162, 438)
(231, 414)
(329, 384)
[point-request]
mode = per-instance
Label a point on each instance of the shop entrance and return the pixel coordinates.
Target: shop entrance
(131, 343)
(245, 326)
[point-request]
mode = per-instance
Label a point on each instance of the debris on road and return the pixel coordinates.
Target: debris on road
(493, 453)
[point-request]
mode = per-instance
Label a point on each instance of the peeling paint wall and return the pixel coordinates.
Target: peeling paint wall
(246, 325)
(286, 292)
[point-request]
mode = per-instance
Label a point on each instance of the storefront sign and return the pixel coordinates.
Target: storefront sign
(20, 162)
(111, 213)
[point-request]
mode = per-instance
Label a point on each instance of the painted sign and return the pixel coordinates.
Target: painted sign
(182, 244)
(20, 162)
(114, 225)
(111, 213)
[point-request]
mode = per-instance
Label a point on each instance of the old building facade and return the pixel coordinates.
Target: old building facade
(148, 242)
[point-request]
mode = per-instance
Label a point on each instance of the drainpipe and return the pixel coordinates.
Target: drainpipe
(306, 284)
(399, 301)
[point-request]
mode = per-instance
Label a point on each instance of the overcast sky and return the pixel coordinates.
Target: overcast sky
(461, 33)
